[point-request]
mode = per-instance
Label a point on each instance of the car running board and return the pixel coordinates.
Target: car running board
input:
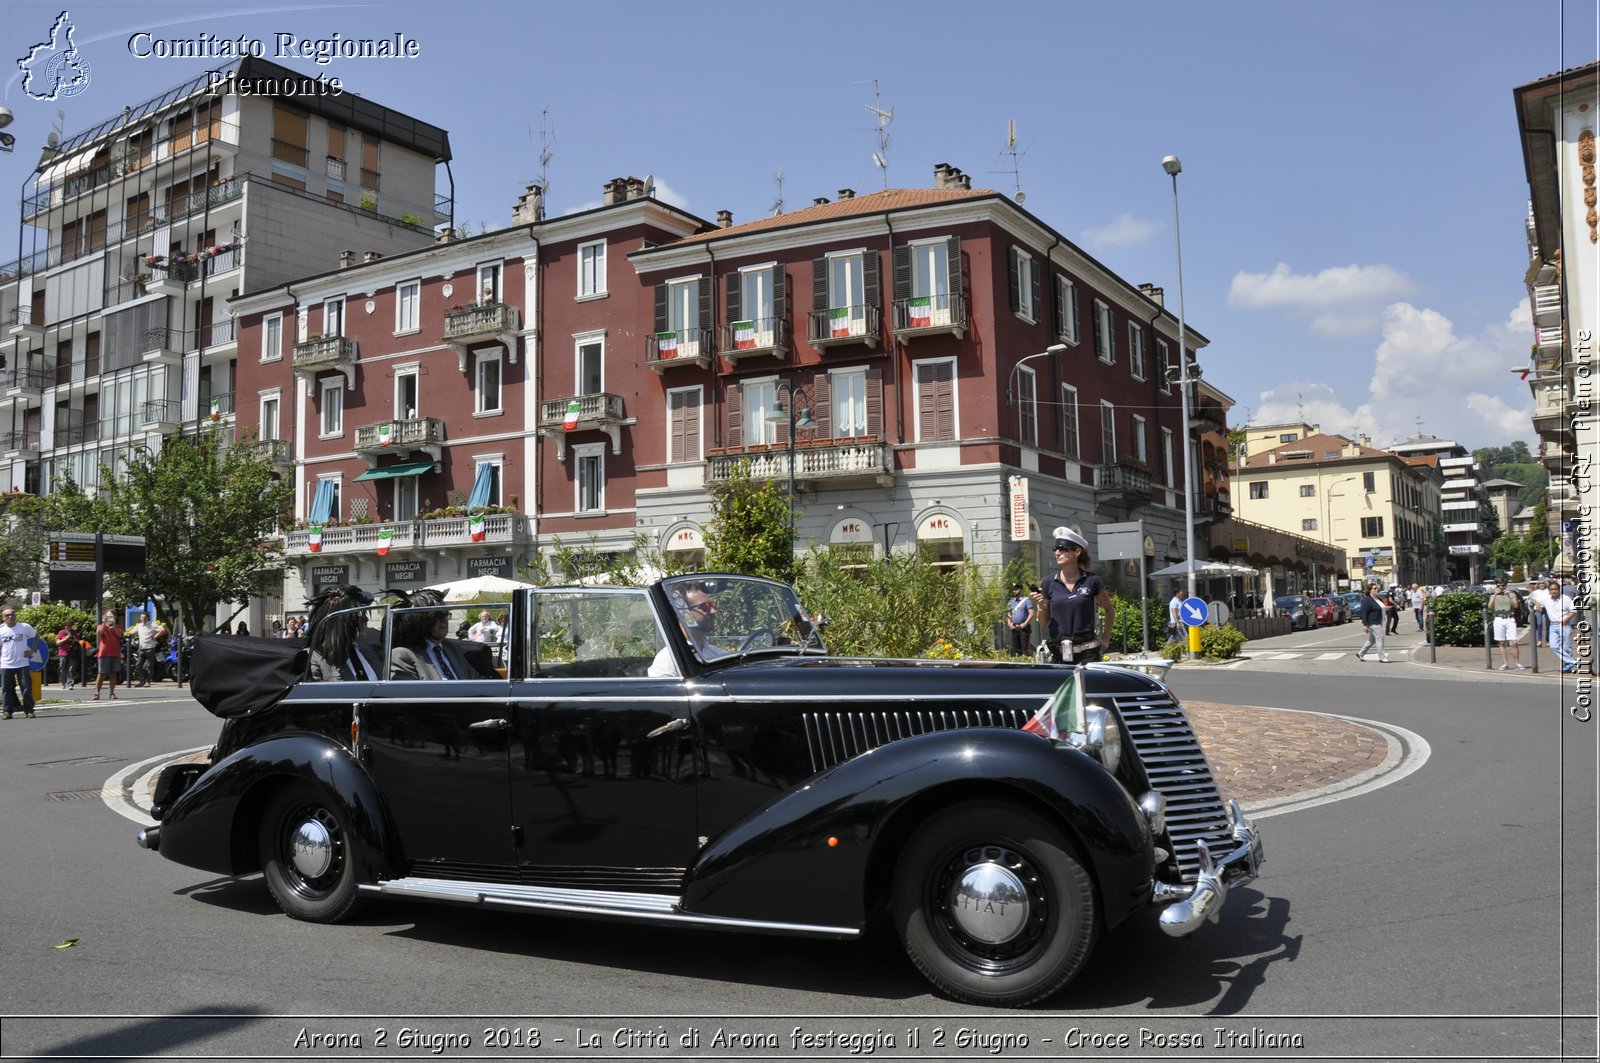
(594, 904)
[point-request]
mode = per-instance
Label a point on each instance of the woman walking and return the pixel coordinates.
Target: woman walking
(107, 653)
(1372, 616)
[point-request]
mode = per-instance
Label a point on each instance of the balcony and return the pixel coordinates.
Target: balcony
(1213, 506)
(220, 341)
(22, 324)
(754, 339)
(275, 451)
(1550, 411)
(833, 460)
(583, 413)
(160, 415)
(22, 445)
(321, 354)
(1127, 484)
(216, 407)
(163, 346)
(439, 533)
(1549, 344)
(1462, 528)
(845, 325)
(930, 315)
(690, 346)
(218, 260)
(484, 323)
(26, 385)
(1208, 416)
(400, 437)
(1547, 305)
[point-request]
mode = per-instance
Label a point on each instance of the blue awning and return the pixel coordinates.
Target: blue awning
(391, 472)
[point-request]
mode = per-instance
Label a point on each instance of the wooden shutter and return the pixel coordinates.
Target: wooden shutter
(822, 405)
(952, 264)
(780, 297)
(705, 307)
(735, 418)
(819, 285)
(661, 308)
(875, 402)
(935, 402)
(902, 274)
(869, 273)
(735, 297)
(1015, 289)
(1058, 311)
(685, 426)
(1035, 271)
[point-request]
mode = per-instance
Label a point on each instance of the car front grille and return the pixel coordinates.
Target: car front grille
(1160, 733)
(834, 737)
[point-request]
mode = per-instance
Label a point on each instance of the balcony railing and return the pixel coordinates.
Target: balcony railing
(1215, 505)
(690, 346)
(837, 459)
(219, 134)
(217, 406)
(334, 168)
(1129, 481)
(69, 435)
(324, 352)
(1547, 304)
(26, 378)
(930, 315)
(221, 333)
(293, 154)
(578, 412)
(756, 338)
(222, 261)
(841, 325)
(484, 322)
(163, 346)
(398, 435)
(273, 450)
(1208, 416)
(160, 413)
(24, 441)
(499, 528)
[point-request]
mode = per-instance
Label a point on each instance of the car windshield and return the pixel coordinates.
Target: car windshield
(723, 615)
(1289, 601)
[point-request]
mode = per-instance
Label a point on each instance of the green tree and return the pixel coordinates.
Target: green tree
(1507, 552)
(208, 513)
(29, 520)
(1540, 552)
(749, 529)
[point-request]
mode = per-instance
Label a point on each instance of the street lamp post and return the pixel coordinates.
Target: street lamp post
(1173, 168)
(1011, 395)
(798, 417)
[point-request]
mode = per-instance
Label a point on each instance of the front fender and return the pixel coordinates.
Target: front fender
(805, 857)
(212, 825)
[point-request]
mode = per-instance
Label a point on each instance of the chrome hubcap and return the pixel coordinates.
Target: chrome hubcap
(311, 849)
(989, 903)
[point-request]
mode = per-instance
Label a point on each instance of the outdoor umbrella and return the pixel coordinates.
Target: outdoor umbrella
(1203, 568)
(474, 587)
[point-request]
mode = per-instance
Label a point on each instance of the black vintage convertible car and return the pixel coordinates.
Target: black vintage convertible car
(688, 753)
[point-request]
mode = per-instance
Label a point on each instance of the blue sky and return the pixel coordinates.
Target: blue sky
(1352, 200)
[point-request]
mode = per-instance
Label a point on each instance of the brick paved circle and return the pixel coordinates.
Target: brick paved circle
(1269, 754)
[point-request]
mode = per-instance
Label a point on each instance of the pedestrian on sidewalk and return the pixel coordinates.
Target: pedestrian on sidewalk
(107, 653)
(16, 644)
(68, 654)
(1504, 606)
(1373, 617)
(1539, 602)
(1419, 598)
(1562, 610)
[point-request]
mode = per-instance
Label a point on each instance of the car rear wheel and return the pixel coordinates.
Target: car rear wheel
(993, 904)
(305, 855)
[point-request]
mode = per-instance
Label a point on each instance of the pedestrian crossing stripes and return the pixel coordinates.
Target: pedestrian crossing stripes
(1334, 656)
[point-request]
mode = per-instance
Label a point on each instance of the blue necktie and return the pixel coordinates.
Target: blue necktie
(440, 663)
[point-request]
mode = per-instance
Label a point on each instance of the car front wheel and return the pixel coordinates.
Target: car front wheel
(305, 855)
(993, 904)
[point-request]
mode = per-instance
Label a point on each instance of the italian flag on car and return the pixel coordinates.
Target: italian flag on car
(314, 538)
(475, 527)
(744, 335)
(1063, 713)
(920, 311)
(667, 344)
(385, 539)
(839, 321)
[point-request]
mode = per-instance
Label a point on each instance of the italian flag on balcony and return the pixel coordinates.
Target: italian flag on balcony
(385, 434)
(667, 344)
(385, 540)
(570, 421)
(216, 409)
(839, 321)
(314, 538)
(919, 311)
(475, 527)
(744, 335)
(1063, 713)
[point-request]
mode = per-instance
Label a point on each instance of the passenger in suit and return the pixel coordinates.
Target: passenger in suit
(421, 646)
(338, 643)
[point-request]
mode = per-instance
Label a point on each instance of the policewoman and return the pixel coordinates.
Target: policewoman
(1067, 604)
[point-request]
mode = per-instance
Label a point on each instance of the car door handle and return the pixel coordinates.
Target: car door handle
(680, 724)
(489, 725)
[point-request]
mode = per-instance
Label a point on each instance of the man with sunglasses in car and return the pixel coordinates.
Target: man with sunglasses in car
(697, 615)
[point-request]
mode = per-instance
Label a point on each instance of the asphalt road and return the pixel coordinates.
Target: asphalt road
(1448, 914)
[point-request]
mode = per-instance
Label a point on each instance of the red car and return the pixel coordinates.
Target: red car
(1326, 611)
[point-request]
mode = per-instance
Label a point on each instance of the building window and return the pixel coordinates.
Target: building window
(269, 418)
(488, 380)
(405, 393)
(931, 280)
(589, 365)
(272, 338)
(333, 407)
(847, 294)
(1141, 450)
(756, 304)
(1258, 489)
(590, 477)
(592, 269)
(333, 317)
(1024, 285)
(1166, 454)
(1105, 340)
(489, 290)
(1372, 527)
(1135, 351)
(334, 486)
(935, 384)
(407, 308)
(1308, 524)
(1108, 433)
(1288, 437)
(683, 308)
(1066, 310)
(683, 425)
(759, 397)
(405, 498)
(849, 398)
(494, 473)
(1069, 420)
(1369, 481)
(1308, 491)
(1163, 360)
(1027, 407)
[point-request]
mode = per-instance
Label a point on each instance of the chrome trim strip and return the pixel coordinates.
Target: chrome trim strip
(611, 904)
(1189, 907)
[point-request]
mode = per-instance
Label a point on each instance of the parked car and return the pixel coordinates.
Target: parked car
(1325, 611)
(1352, 604)
(1297, 607)
(764, 786)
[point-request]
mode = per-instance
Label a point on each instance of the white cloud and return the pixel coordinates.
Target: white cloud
(1122, 231)
(1343, 300)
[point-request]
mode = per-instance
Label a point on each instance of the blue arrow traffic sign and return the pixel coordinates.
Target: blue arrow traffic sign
(38, 653)
(1193, 611)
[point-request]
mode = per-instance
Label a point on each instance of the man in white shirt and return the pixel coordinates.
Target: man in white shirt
(1561, 611)
(698, 617)
(145, 632)
(16, 645)
(485, 630)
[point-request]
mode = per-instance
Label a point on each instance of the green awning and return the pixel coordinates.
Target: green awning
(390, 472)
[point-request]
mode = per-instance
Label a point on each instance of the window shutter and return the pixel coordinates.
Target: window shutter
(875, 402)
(902, 274)
(1015, 285)
(952, 264)
(735, 419)
(947, 401)
(1058, 312)
(676, 446)
(780, 296)
(822, 405)
(705, 307)
(819, 285)
(780, 431)
(661, 308)
(1033, 274)
(869, 272)
(735, 300)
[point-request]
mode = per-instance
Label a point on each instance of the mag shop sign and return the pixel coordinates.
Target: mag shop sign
(405, 574)
(489, 566)
(325, 576)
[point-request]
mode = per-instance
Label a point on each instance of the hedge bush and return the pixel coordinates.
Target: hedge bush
(1458, 619)
(1220, 643)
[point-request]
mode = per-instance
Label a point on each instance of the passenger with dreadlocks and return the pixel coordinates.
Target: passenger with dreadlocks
(421, 649)
(335, 625)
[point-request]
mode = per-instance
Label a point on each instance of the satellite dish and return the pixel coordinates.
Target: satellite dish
(53, 140)
(5, 117)
(649, 185)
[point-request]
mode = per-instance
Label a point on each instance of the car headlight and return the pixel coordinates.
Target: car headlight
(1102, 738)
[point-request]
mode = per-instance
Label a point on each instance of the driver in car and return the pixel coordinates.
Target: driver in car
(697, 615)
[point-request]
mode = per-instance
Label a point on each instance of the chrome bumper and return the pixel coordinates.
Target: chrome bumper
(1189, 906)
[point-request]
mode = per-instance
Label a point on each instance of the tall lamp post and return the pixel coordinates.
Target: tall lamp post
(1173, 168)
(1011, 394)
(798, 417)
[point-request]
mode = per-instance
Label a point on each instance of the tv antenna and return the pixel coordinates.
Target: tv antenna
(777, 204)
(880, 158)
(547, 138)
(1016, 170)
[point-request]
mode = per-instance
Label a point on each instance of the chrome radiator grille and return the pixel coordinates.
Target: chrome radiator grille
(1160, 733)
(834, 737)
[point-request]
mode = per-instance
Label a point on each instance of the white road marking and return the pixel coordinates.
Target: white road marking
(1329, 656)
(127, 791)
(1286, 656)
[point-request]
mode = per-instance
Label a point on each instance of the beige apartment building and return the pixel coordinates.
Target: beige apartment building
(1380, 511)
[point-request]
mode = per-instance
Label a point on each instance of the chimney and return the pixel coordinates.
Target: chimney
(446, 235)
(960, 180)
(612, 191)
(347, 258)
(530, 206)
(724, 219)
(941, 175)
(819, 201)
(635, 188)
(1365, 440)
(371, 256)
(1151, 292)
(847, 193)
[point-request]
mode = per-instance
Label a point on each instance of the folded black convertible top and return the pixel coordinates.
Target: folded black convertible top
(237, 675)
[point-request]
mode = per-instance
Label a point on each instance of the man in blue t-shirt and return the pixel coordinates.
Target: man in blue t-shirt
(1019, 617)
